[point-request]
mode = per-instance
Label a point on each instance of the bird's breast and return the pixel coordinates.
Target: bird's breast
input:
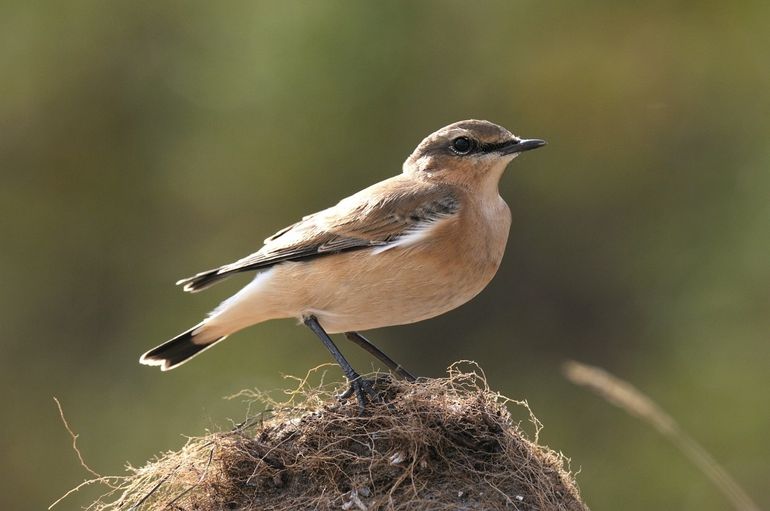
(367, 289)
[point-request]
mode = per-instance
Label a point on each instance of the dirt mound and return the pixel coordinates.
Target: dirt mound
(437, 444)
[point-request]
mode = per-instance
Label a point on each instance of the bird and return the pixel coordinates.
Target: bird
(406, 249)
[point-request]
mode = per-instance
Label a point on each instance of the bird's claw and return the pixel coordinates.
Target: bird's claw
(361, 388)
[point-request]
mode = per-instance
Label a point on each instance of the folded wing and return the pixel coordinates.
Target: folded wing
(375, 217)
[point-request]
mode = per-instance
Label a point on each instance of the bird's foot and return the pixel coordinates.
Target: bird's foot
(362, 389)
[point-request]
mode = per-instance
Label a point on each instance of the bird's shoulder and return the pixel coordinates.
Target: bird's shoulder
(377, 213)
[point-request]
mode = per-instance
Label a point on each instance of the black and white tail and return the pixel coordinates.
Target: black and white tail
(178, 350)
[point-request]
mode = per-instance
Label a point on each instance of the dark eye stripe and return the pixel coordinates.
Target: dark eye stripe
(489, 147)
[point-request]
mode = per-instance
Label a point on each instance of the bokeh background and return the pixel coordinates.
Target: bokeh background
(141, 142)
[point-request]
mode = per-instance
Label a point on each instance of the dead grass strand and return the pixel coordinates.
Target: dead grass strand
(627, 397)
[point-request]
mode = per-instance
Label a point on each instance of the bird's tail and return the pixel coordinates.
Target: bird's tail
(179, 350)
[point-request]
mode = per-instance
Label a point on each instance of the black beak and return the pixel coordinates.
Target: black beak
(519, 146)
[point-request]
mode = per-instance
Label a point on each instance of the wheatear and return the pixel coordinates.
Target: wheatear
(403, 250)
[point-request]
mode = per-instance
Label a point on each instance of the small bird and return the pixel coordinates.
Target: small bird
(408, 248)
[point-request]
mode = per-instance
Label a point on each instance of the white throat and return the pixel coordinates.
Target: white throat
(489, 185)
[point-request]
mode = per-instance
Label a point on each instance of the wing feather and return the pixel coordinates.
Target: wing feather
(374, 217)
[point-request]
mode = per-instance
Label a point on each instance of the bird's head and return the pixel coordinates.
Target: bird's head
(469, 153)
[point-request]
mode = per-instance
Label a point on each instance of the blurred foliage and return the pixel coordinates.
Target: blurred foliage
(141, 142)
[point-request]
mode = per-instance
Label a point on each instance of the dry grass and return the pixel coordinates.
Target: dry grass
(627, 397)
(437, 444)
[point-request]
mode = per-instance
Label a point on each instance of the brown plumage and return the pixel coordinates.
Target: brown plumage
(406, 249)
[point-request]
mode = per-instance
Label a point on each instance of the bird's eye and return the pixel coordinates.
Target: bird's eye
(462, 145)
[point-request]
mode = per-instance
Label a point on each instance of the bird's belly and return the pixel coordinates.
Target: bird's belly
(360, 290)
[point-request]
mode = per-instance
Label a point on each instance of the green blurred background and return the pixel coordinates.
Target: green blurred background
(141, 142)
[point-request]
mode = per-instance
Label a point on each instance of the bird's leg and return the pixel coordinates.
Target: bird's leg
(357, 384)
(378, 353)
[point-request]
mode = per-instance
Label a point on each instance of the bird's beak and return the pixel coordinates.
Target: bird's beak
(521, 145)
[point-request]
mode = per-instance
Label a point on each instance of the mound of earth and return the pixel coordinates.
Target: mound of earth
(436, 444)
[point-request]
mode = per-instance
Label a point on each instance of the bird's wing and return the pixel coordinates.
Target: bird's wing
(375, 217)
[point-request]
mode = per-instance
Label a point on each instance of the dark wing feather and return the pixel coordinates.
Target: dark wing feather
(373, 217)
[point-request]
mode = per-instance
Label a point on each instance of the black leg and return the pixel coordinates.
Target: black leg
(357, 384)
(382, 357)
